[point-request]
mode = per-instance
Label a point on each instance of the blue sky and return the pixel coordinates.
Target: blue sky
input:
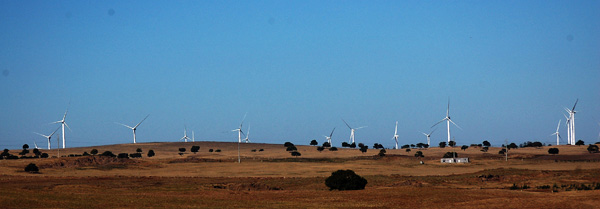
(297, 68)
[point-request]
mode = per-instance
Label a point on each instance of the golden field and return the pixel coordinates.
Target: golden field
(274, 179)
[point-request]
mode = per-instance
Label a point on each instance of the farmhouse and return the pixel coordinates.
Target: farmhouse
(455, 160)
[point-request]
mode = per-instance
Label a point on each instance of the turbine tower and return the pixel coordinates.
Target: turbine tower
(328, 138)
(193, 137)
(240, 132)
(396, 135)
(556, 133)
(572, 123)
(185, 137)
(48, 137)
(63, 124)
(352, 131)
(428, 136)
(448, 121)
(134, 128)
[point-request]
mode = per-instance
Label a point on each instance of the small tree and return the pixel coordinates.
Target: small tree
(296, 154)
(353, 145)
(553, 151)
(32, 168)
(138, 150)
(486, 143)
(405, 146)
(44, 155)
(195, 149)
(442, 144)
(108, 154)
(464, 147)
(592, 148)
(419, 154)
(181, 151)
(502, 151)
(512, 146)
(94, 152)
(326, 144)
(85, 154)
(151, 153)
(345, 144)
(320, 149)
(451, 143)
(408, 150)
(382, 152)
(345, 180)
(314, 142)
(123, 155)
(363, 149)
(333, 149)
(288, 144)
(37, 152)
(579, 143)
(291, 148)
(450, 155)
(218, 150)
(260, 150)
(211, 150)
(26, 146)
(485, 149)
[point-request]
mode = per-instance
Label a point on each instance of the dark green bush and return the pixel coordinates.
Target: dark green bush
(108, 154)
(32, 168)
(345, 180)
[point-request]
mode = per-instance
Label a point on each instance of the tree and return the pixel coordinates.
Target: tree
(419, 154)
(361, 145)
(592, 148)
(486, 143)
(182, 149)
(218, 150)
(108, 154)
(326, 144)
(345, 144)
(333, 149)
(484, 149)
(408, 150)
(512, 146)
(363, 149)
(211, 150)
(442, 144)
(291, 148)
(32, 168)
(382, 152)
(123, 155)
(25, 146)
(405, 146)
(94, 151)
(502, 151)
(314, 142)
(450, 155)
(151, 153)
(195, 149)
(135, 155)
(320, 149)
(553, 151)
(353, 145)
(296, 154)
(579, 143)
(138, 150)
(451, 143)
(345, 180)
(37, 152)
(44, 155)
(288, 144)
(85, 154)
(464, 147)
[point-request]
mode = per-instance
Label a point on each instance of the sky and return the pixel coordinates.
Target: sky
(297, 68)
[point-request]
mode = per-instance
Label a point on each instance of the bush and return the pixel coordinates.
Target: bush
(182, 149)
(123, 155)
(296, 154)
(353, 145)
(326, 144)
(108, 154)
(135, 155)
(451, 143)
(44, 155)
(85, 154)
(345, 144)
(291, 148)
(333, 149)
(579, 143)
(419, 154)
(592, 148)
(26, 146)
(450, 155)
(138, 150)
(320, 149)
(32, 168)
(442, 144)
(408, 150)
(345, 180)
(486, 144)
(405, 146)
(36, 151)
(211, 150)
(382, 152)
(512, 146)
(553, 151)
(218, 150)
(464, 147)
(485, 149)
(151, 153)
(364, 148)
(94, 152)
(314, 142)
(288, 144)
(254, 150)
(195, 149)
(260, 150)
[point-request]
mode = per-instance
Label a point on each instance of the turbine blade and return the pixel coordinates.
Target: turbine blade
(438, 122)
(67, 125)
(124, 125)
(448, 109)
(243, 119)
(396, 129)
(334, 130)
(454, 124)
(424, 133)
(65, 116)
(346, 124)
(360, 127)
(575, 104)
(40, 134)
(433, 131)
(141, 121)
(558, 126)
(54, 132)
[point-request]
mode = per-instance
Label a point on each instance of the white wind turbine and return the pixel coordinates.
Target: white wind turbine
(571, 122)
(556, 133)
(428, 136)
(328, 138)
(193, 137)
(448, 121)
(247, 140)
(35, 144)
(134, 128)
(63, 124)
(185, 137)
(352, 131)
(396, 135)
(48, 136)
(240, 132)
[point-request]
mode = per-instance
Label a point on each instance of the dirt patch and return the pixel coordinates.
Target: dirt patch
(246, 187)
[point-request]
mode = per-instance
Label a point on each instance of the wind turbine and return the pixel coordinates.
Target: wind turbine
(448, 121)
(572, 123)
(428, 136)
(185, 137)
(134, 128)
(63, 124)
(328, 138)
(396, 135)
(240, 132)
(193, 137)
(35, 144)
(556, 133)
(48, 137)
(247, 135)
(352, 131)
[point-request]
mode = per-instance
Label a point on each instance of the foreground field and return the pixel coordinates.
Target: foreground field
(274, 179)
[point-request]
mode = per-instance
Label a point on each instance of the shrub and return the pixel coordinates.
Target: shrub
(405, 146)
(320, 149)
(512, 146)
(450, 155)
(345, 144)
(108, 154)
(408, 150)
(291, 148)
(353, 145)
(486, 143)
(419, 154)
(345, 180)
(451, 143)
(32, 168)
(36, 151)
(254, 150)
(464, 147)
(151, 153)
(333, 149)
(442, 144)
(260, 150)
(592, 148)
(123, 155)
(287, 144)
(296, 154)
(135, 155)
(26, 146)
(485, 149)
(364, 148)
(502, 151)
(211, 150)
(44, 155)
(94, 152)
(195, 149)
(218, 150)
(553, 151)
(382, 152)
(138, 150)
(85, 154)
(314, 142)
(326, 144)
(182, 149)
(579, 143)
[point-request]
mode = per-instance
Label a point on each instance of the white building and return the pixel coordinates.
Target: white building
(455, 160)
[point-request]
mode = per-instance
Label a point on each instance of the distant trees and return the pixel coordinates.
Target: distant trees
(326, 144)
(451, 143)
(287, 144)
(553, 151)
(85, 154)
(320, 149)
(314, 142)
(333, 149)
(464, 147)
(26, 146)
(502, 151)
(32, 168)
(532, 144)
(419, 154)
(138, 150)
(291, 148)
(37, 152)
(151, 153)
(363, 148)
(353, 145)
(108, 154)
(135, 155)
(94, 152)
(408, 150)
(296, 153)
(211, 150)
(382, 152)
(181, 149)
(486, 144)
(442, 144)
(592, 148)
(377, 146)
(485, 149)
(422, 145)
(512, 146)
(405, 146)
(345, 144)
(195, 149)
(44, 155)
(123, 155)
(450, 155)
(579, 143)
(345, 180)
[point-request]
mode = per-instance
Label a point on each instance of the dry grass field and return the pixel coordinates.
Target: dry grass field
(274, 179)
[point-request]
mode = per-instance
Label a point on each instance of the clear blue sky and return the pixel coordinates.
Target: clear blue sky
(297, 68)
